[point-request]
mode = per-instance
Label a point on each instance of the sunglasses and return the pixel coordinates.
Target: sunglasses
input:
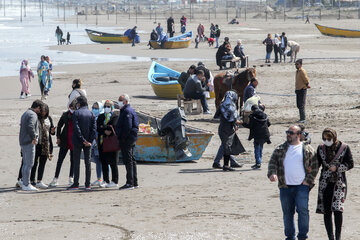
(107, 107)
(290, 132)
(94, 108)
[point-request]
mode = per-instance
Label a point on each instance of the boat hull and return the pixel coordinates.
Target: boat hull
(338, 32)
(167, 91)
(171, 44)
(100, 37)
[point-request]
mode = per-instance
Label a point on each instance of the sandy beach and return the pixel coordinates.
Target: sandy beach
(187, 200)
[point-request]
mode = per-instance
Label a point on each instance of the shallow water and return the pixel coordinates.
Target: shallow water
(30, 39)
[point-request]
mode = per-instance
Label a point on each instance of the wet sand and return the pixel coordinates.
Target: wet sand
(187, 200)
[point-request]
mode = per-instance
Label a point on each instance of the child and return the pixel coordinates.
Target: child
(197, 40)
(68, 38)
(259, 131)
(211, 41)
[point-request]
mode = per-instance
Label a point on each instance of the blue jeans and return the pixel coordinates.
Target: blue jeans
(96, 159)
(202, 97)
(220, 155)
(291, 198)
(217, 42)
(268, 54)
(258, 151)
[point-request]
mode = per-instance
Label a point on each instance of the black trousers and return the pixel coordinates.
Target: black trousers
(328, 195)
(61, 157)
(127, 151)
(300, 102)
(282, 53)
(76, 161)
(276, 52)
(109, 158)
(39, 160)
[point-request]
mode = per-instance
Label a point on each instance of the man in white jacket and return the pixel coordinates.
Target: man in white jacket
(76, 92)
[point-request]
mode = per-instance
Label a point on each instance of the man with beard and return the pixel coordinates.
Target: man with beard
(294, 165)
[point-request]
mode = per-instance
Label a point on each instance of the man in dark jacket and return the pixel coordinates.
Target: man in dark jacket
(170, 22)
(283, 45)
(239, 52)
(84, 132)
(194, 90)
(250, 91)
(133, 34)
(126, 129)
(259, 131)
(184, 76)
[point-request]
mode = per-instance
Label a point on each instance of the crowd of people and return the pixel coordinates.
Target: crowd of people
(279, 45)
(79, 130)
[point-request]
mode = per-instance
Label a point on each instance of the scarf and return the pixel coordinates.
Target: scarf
(330, 152)
(44, 139)
(228, 106)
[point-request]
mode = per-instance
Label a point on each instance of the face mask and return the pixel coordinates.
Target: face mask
(96, 112)
(107, 109)
(328, 143)
(121, 104)
(72, 111)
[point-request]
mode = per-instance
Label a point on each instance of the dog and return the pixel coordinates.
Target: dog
(62, 41)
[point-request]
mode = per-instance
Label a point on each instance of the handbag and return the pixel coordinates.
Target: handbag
(111, 143)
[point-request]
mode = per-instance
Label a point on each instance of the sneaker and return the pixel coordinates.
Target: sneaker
(54, 183)
(217, 165)
(97, 183)
(19, 183)
(256, 166)
(127, 187)
(103, 184)
(226, 168)
(73, 187)
(111, 185)
(29, 188)
(301, 121)
(29, 95)
(136, 186)
(87, 188)
(236, 165)
(207, 112)
(22, 97)
(71, 180)
(41, 185)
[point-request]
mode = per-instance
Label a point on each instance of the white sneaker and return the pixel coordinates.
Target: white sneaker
(111, 185)
(19, 184)
(22, 97)
(97, 183)
(29, 188)
(71, 180)
(54, 183)
(29, 95)
(41, 185)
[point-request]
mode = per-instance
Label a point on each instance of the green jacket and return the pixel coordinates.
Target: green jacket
(276, 164)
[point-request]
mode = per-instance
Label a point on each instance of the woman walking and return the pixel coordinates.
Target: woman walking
(42, 71)
(105, 127)
(335, 159)
(229, 121)
(268, 42)
(25, 78)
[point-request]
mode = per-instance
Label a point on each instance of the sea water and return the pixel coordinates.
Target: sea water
(31, 38)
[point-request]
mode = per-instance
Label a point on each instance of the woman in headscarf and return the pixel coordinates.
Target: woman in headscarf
(335, 159)
(268, 42)
(229, 121)
(97, 109)
(42, 71)
(48, 77)
(105, 127)
(25, 78)
(44, 147)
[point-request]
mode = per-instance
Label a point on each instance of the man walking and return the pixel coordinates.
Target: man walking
(126, 129)
(28, 137)
(294, 165)
(301, 86)
(84, 130)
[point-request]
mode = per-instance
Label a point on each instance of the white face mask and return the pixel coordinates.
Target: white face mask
(121, 104)
(72, 111)
(328, 143)
(107, 110)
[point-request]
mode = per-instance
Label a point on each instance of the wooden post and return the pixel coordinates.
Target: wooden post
(136, 12)
(129, 9)
(116, 13)
(284, 9)
(64, 11)
(107, 10)
(21, 10)
(215, 9)
(303, 10)
(77, 17)
(96, 13)
(24, 8)
(320, 13)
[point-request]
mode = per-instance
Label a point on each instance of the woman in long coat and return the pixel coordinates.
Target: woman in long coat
(335, 158)
(25, 78)
(229, 121)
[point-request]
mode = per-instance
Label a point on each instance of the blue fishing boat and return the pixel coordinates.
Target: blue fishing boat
(154, 148)
(164, 81)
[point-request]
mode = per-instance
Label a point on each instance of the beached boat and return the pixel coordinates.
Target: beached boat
(338, 32)
(101, 37)
(163, 80)
(181, 41)
(153, 148)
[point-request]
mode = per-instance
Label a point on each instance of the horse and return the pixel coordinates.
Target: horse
(238, 83)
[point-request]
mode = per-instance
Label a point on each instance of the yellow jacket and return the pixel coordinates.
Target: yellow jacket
(301, 79)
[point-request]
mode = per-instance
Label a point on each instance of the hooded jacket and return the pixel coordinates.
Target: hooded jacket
(258, 124)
